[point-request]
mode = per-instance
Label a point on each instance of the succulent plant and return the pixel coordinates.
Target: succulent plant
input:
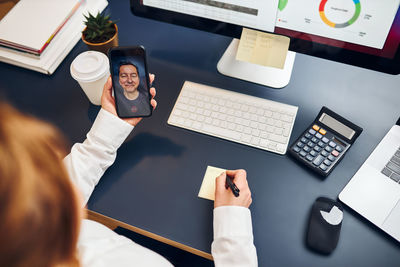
(99, 28)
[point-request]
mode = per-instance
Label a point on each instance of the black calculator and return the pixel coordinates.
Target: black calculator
(324, 143)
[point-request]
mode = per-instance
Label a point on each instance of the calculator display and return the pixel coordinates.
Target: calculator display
(337, 126)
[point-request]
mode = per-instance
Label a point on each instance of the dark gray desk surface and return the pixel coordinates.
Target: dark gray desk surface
(155, 180)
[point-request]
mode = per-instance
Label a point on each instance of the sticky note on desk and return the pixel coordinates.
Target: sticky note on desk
(263, 48)
(207, 189)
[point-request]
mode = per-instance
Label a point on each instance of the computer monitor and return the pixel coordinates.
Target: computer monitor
(357, 32)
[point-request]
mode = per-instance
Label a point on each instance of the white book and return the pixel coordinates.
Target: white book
(60, 46)
(31, 24)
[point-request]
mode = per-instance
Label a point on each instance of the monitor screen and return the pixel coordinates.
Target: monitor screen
(348, 31)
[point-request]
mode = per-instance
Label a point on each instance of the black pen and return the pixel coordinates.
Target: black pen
(232, 185)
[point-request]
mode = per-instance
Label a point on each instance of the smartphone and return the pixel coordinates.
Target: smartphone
(130, 80)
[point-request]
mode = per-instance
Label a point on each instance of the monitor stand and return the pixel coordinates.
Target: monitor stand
(272, 77)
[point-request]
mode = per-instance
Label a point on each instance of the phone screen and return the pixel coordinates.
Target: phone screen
(130, 81)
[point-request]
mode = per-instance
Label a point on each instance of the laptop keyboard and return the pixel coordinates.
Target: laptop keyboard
(392, 168)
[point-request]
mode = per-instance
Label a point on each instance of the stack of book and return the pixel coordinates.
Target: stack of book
(38, 34)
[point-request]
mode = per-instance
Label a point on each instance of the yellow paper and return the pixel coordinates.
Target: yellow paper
(207, 189)
(263, 48)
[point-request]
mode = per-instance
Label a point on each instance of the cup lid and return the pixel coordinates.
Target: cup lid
(89, 66)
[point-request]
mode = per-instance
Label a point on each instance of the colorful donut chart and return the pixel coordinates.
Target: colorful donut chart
(339, 25)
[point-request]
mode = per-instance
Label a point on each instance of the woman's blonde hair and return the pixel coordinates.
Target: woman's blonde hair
(39, 212)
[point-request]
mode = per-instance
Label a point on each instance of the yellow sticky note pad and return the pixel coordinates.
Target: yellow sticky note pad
(207, 189)
(263, 48)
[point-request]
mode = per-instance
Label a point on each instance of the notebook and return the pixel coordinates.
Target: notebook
(31, 24)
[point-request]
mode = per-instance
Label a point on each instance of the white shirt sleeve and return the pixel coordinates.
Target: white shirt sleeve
(99, 246)
(88, 161)
(233, 237)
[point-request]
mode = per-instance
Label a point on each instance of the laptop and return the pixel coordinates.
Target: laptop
(374, 191)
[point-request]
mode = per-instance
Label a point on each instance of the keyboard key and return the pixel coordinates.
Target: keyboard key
(331, 158)
(278, 138)
(310, 144)
(325, 140)
(335, 153)
(323, 167)
(307, 149)
(315, 140)
(332, 144)
(221, 132)
(303, 140)
(297, 149)
(324, 153)
(300, 144)
(396, 160)
(309, 157)
(315, 127)
(321, 144)
(307, 135)
(313, 153)
(328, 148)
(317, 148)
(303, 153)
(255, 140)
(395, 177)
(318, 160)
(327, 162)
(394, 167)
(318, 135)
(311, 131)
(339, 148)
(246, 138)
(322, 131)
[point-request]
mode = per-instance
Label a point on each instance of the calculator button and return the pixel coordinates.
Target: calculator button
(339, 148)
(303, 153)
(332, 144)
(307, 149)
(300, 144)
(325, 140)
(318, 135)
(311, 131)
(314, 139)
(318, 160)
(315, 127)
(317, 148)
(309, 157)
(322, 131)
(335, 153)
(331, 158)
(297, 149)
(321, 144)
(307, 135)
(310, 144)
(327, 162)
(313, 153)
(324, 153)
(328, 148)
(323, 167)
(303, 140)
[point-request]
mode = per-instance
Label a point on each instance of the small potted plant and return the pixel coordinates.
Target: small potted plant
(100, 33)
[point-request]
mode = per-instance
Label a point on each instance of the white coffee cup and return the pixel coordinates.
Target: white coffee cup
(91, 70)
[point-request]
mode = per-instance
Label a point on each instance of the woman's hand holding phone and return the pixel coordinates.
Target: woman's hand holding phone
(108, 101)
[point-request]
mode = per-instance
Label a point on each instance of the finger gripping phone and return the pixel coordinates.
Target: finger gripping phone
(130, 80)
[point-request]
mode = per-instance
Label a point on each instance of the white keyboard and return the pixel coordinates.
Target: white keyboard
(240, 118)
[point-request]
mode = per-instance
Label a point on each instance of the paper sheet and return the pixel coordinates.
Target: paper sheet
(207, 189)
(263, 48)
